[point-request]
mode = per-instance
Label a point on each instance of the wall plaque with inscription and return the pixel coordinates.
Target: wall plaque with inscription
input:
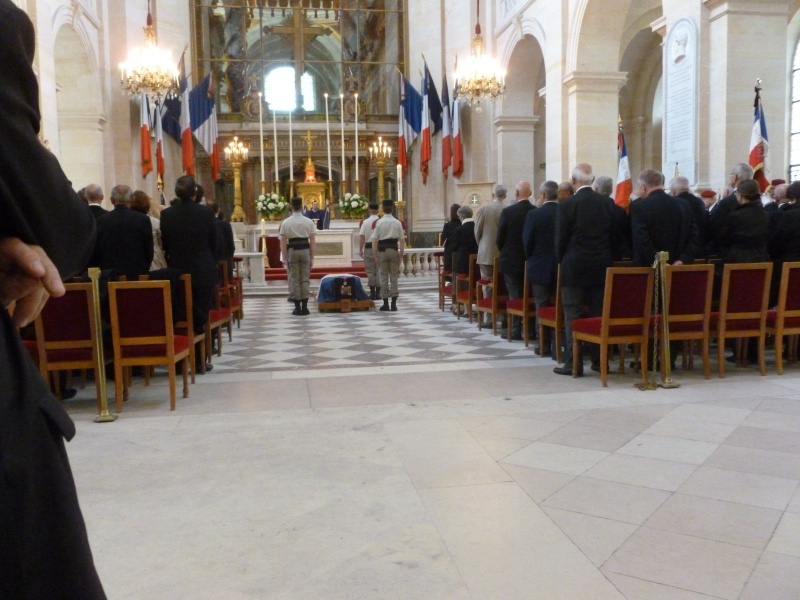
(680, 101)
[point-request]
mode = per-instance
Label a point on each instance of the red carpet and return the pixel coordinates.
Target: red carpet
(318, 272)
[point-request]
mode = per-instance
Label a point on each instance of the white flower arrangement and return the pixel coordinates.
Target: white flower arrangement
(353, 204)
(271, 204)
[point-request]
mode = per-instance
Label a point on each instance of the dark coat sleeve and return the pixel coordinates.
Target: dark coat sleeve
(37, 202)
(643, 249)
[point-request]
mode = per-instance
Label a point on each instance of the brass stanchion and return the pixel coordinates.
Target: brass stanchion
(100, 366)
(667, 382)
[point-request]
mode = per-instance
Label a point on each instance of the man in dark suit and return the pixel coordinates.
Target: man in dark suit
(539, 238)
(46, 233)
(679, 188)
(190, 239)
(512, 250)
(226, 247)
(720, 210)
(124, 238)
(586, 230)
(464, 243)
(660, 222)
(621, 247)
(93, 194)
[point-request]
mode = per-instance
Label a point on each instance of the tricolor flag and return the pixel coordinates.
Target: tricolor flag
(458, 148)
(622, 195)
(425, 149)
(759, 145)
(447, 146)
(187, 144)
(144, 134)
(159, 129)
(203, 117)
(409, 118)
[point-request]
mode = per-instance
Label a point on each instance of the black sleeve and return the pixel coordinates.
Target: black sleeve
(37, 202)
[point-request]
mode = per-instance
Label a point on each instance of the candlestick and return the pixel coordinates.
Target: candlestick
(261, 133)
(263, 227)
(357, 180)
(328, 136)
(344, 170)
(275, 144)
(291, 152)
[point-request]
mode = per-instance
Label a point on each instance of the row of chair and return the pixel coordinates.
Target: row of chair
(628, 318)
(143, 332)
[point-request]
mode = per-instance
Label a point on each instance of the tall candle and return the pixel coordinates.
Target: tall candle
(328, 135)
(291, 152)
(261, 133)
(263, 228)
(399, 183)
(357, 181)
(344, 174)
(275, 145)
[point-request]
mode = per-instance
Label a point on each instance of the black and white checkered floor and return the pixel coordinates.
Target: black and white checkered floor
(271, 339)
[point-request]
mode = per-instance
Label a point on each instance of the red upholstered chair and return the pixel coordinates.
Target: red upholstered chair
(495, 305)
(689, 289)
(553, 317)
(465, 286)
(234, 294)
(67, 334)
(219, 316)
(142, 334)
(445, 278)
(524, 307)
(786, 319)
(185, 327)
(743, 303)
(625, 320)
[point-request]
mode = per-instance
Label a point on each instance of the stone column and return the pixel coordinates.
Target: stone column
(747, 40)
(515, 148)
(593, 100)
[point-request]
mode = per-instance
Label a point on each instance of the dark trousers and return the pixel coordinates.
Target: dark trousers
(514, 285)
(543, 296)
(580, 302)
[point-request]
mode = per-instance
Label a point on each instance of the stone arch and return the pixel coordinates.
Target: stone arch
(639, 107)
(79, 101)
(520, 120)
(595, 31)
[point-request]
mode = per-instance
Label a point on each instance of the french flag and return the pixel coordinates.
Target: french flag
(203, 118)
(409, 120)
(622, 195)
(187, 144)
(759, 145)
(458, 147)
(425, 151)
(447, 146)
(144, 134)
(159, 129)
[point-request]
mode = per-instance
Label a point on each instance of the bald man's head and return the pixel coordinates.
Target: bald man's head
(524, 190)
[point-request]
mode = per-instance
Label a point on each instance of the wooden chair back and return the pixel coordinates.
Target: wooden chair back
(495, 304)
(465, 286)
(688, 290)
(785, 320)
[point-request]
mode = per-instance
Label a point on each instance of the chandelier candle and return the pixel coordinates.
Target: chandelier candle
(341, 98)
(291, 154)
(275, 146)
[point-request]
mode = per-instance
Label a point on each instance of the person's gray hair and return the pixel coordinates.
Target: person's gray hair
(549, 189)
(651, 178)
(500, 191)
(678, 185)
(742, 171)
(93, 193)
(603, 185)
(465, 212)
(121, 193)
(566, 186)
(582, 174)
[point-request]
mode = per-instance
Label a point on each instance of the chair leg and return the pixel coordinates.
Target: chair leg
(604, 364)
(525, 327)
(230, 330)
(118, 384)
(707, 357)
(559, 340)
(171, 369)
(576, 355)
(721, 356)
(622, 348)
(779, 353)
(185, 378)
(219, 341)
(762, 342)
(541, 339)
(193, 360)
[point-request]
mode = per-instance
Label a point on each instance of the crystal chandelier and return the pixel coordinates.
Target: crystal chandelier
(149, 69)
(481, 77)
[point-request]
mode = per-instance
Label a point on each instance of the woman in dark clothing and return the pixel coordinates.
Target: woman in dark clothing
(464, 243)
(744, 233)
(447, 236)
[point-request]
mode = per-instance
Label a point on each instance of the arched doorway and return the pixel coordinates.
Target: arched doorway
(80, 120)
(521, 123)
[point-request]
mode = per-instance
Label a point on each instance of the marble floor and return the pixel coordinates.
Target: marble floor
(408, 456)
